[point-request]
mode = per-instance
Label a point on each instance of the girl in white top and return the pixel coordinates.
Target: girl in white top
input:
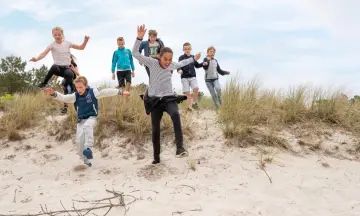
(60, 50)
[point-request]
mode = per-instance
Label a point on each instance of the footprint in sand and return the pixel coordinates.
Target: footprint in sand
(79, 168)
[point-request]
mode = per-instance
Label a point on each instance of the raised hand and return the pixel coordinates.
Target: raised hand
(86, 38)
(197, 56)
(141, 30)
(227, 72)
(33, 59)
(205, 63)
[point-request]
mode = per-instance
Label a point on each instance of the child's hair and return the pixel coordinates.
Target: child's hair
(120, 39)
(165, 50)
(152, 33)
(211, 48)
(186, 44)
(81, 79)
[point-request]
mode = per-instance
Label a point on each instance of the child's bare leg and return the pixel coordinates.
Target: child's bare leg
(188, 100)
(196, 93)
(128, 85)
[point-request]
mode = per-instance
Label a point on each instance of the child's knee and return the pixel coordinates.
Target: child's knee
(175, 114)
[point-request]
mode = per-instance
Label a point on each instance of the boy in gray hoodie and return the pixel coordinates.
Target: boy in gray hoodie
(212, 71)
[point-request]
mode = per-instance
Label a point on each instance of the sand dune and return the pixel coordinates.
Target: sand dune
(214, 180)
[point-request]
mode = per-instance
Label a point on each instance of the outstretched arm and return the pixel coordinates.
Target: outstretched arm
(82, 46)
(180, 59)
(182, 63)
(220, 71)
(108, 92)
(206, 66)
(198, 65)
(69, 98)
(42, 55)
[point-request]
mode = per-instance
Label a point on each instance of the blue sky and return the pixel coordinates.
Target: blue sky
(284, 42)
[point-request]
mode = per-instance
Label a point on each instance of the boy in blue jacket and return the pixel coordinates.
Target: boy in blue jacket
(85, 100)
(151, 47)
(122, 60)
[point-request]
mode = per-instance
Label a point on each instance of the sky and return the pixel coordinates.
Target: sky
(285, 43)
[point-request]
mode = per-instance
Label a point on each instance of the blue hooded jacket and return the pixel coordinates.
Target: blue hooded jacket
(122, 60)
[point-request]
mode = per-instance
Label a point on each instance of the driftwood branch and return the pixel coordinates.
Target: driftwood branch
(115, 201)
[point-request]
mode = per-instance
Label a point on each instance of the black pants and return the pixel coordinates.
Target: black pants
(61, 71)
(123, 76)
(156, 116)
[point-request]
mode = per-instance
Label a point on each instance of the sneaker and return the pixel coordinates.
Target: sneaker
(181, 152)
(88, 153)
(195, 106)
(155, 162)
(88, 164)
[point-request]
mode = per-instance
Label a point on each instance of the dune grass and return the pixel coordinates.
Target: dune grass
(247, 105)
(117, 115)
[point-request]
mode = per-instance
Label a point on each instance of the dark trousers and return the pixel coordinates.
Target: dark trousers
(156, 116)
(61, 71)
(123, 77)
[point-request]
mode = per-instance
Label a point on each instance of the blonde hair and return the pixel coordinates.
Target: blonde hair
(81, 79)
(120, 39)
(57, 28)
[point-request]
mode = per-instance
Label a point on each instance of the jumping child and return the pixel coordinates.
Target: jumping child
(151, 47)
(122, 60)
(67, 89)
(159, 97)
(212, 69)
(60, 50)
(85, 100)
(188, 77)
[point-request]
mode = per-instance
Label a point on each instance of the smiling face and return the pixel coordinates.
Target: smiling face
(166, 59)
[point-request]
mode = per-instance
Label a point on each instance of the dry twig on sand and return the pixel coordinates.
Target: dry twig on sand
(262, 166)
(182, 212)
(118, 197)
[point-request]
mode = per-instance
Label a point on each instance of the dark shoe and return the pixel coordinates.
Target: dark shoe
(156, 161)
(181, 152)
(88, 153)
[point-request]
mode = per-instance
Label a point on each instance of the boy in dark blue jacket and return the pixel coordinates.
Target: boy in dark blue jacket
(122, 60)
(85, 100)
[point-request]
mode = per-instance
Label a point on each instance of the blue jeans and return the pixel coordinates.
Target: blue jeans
(215, 91)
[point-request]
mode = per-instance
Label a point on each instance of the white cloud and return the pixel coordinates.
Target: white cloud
(241, 28)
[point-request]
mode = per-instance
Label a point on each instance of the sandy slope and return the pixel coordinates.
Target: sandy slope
(226, 181)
